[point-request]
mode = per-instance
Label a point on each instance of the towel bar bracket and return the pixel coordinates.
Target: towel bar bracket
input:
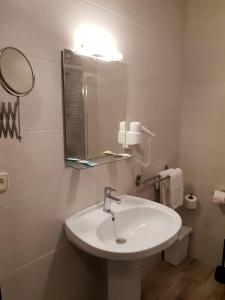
(152, 181)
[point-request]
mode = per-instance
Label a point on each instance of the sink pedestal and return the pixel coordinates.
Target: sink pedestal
(124, 280)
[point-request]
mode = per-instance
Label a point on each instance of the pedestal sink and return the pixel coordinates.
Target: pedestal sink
(141, 228)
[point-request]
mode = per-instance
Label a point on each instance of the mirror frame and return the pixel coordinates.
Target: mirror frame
(4, 83)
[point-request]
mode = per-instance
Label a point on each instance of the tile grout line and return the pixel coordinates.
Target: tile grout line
(115, 13)
(31, 262)
(32, 198)
(43, 129)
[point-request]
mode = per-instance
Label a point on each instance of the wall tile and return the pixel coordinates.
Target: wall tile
(41, 30)
(34, 165)
(200, 171)
(166, 141)
(206, 247)
(163, 59)
(205, 9)
(42, 109)
(205, 30)
(29, 229)
(204, 61)
(166, 18)
(149, 102)
(44, 278)
(207, 99)
(202, 139)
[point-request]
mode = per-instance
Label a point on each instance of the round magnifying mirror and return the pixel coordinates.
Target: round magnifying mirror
(16, 74)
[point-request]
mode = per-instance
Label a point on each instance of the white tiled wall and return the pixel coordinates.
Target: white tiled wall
(36, 262)
(202, 144)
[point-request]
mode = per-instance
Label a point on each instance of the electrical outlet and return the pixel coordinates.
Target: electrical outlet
(4, 182)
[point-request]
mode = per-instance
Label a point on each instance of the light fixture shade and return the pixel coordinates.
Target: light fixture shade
(95, 41)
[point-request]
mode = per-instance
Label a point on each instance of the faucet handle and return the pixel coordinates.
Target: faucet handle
(108, 189)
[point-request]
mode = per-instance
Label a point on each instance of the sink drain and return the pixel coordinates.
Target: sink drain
(121, 241)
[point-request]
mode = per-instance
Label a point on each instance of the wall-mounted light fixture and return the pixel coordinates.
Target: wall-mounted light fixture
(94, 41)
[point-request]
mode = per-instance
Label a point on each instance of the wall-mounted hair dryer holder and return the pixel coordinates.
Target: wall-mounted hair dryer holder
(133, 135)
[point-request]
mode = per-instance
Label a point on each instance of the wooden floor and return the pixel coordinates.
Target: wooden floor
(191, 280)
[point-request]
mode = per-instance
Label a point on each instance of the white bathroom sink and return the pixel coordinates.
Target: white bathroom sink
(144, 226)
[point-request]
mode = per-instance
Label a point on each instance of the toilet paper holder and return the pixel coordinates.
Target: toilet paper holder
(219, 197)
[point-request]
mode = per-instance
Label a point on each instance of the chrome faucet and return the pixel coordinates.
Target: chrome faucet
(108, 198)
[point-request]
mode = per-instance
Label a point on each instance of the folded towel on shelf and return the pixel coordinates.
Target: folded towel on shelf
(172, 190)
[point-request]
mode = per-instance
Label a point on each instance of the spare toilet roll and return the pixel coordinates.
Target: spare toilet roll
(219, 197)
(190, 201)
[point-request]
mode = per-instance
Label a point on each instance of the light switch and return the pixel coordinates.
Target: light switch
(4, 182)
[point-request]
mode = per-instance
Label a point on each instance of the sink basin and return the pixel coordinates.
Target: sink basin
(141, 228)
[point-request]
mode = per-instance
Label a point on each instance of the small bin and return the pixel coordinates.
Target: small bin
(176, 253)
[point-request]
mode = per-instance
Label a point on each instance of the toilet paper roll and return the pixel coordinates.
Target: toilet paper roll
(219, 197)
(190, 201)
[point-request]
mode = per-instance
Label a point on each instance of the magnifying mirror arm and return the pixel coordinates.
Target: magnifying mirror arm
(18, 116)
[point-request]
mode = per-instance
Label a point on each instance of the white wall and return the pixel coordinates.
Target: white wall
(202, 144)
(36, 262)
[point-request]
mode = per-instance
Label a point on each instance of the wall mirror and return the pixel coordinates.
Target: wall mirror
(94, 101)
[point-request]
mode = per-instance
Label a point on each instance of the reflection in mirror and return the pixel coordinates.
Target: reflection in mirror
(95, 94)
(16, 73)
